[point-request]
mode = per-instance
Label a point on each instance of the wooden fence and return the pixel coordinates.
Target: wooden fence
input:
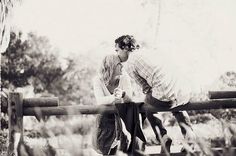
(18, 107)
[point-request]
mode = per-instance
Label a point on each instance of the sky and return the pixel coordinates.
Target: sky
(195, 36)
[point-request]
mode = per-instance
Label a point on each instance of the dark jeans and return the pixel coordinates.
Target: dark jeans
(181, 116)
(113, 151)
(154, 121)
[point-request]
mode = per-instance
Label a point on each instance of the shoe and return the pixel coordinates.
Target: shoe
(190, 149)
(183, 150)
(166, 140)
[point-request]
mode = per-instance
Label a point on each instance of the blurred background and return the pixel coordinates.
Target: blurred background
(56, 46)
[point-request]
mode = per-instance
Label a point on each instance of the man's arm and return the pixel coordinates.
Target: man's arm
(125, 83)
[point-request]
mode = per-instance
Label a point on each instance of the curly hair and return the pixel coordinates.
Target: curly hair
(127, 42)
(107, 68)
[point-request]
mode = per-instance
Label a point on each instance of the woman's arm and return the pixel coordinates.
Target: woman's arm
(99, 94)
(126, 86)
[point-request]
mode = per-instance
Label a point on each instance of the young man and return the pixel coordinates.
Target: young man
(160, 87)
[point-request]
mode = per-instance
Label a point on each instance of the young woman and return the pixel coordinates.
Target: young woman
(110, 86)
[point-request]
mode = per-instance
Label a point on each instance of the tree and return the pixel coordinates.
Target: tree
(75, 87)
(29, 61)
(34, 62)
(228, 79)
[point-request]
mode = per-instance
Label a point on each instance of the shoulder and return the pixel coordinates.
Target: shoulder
(144, 58)
(136, 58)
(133, 56)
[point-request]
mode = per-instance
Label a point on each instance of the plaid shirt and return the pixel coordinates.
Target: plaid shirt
(151, 77)
(140, 71)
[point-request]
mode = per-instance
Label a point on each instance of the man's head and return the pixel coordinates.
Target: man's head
(124, 45)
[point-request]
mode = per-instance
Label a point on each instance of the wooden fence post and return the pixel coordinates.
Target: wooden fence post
(15, 123)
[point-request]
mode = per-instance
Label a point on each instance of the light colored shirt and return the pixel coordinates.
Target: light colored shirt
(159, 79)
(102, 94)
(140, 71)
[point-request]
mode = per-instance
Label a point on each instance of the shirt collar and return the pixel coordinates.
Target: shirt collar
(120, 59)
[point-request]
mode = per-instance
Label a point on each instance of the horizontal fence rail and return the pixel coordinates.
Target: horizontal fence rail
(18, 107)
(41, 102)
(221, 94)
(96, 109)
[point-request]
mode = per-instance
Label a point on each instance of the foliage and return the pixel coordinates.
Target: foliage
(75, 86)
(34, 62)
(29, 58)
(3, 142)
(226, 81)
(69, 133)
(25, 149)
(56, 127)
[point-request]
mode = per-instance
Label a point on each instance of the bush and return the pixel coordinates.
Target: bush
(3, 142)
(54, 127)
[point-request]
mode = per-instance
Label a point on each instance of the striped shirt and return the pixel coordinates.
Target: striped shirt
(153, 77)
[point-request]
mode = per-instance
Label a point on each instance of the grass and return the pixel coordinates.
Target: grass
(73, 136)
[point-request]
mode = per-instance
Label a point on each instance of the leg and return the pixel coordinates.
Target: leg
(155, 122)
(181, 116)
(187, 131)
(183, 120)
(161, 133)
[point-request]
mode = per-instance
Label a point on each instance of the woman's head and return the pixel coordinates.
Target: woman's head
(110, 69)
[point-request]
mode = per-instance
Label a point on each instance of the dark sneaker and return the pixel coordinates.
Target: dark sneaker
(190, 149)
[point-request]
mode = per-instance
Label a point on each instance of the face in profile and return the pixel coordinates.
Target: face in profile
(122, 53)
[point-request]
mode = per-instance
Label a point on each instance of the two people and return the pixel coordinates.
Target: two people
(160, 88)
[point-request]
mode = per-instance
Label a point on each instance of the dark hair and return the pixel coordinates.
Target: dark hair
(127, 42)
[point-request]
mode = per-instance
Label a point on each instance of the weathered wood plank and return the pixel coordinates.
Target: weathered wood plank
(96, 109)
(15, 123)
(41, 102)
(222, 94)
